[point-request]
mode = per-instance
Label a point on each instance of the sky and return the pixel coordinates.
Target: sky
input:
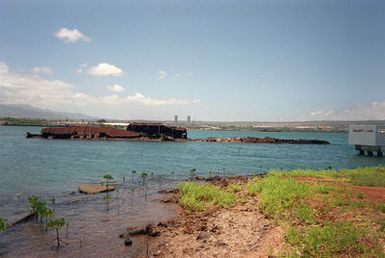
(213, 60)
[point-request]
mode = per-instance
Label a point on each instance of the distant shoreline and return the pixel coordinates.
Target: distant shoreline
(257, 126)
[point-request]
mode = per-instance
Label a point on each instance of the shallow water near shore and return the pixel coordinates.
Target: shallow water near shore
(55, 168)
(93, 225)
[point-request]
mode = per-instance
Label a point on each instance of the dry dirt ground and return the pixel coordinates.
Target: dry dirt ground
(236, 232)
(241, 231)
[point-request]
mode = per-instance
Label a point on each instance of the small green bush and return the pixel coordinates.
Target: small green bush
(3, 224)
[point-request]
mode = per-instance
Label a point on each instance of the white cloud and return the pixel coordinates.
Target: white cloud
(372, 111)
(71, 35)
(162, 75)
(17, 88)
(42, 70)
(115, 88)
(105, 69)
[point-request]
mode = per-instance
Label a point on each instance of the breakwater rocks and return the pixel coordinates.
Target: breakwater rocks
(261, 140)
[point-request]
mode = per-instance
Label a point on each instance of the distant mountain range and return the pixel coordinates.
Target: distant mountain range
(28, 111)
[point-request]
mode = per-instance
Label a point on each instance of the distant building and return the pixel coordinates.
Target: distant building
(369, 138)
(176, 119)
(189, 119)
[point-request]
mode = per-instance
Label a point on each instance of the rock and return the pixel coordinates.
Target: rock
(157, 253)
(95, 188)
(20, 217)
(136, 231)
(215, 229)
(221, 243)
(121, 236)
(127, 241)
(148, 230)
(153, 233)
(203, 235)
(162, 224)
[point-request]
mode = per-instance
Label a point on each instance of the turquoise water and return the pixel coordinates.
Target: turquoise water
(35, 165)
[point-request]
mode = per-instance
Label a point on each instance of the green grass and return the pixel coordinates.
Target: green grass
(293, 236)
(333, 239)
(381, 207)
(235, 187)
(360, 195)
(278, 194)
(325, 217)
(321, 215)
(382, 224)
(317, 173)
(305, 213)
(364, 176)
(255, 185)
(325, 189)
(200, 196)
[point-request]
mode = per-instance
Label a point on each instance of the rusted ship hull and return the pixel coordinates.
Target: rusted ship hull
(149, 133)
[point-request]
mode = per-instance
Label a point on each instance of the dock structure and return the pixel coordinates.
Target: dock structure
(368, 139)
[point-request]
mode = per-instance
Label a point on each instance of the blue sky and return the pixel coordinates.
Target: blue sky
(213, 60)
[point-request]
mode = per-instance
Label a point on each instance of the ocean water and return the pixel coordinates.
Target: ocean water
(55, 168)
(52, 166)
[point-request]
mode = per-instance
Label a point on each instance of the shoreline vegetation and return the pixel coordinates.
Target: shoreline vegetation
(281, 213)
(299, 126)
(296, 213)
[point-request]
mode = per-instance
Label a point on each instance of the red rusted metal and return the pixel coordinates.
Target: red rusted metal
(87, 132)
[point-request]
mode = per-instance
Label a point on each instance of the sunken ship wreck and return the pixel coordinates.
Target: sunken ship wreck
(151, 132)
(134, 131)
